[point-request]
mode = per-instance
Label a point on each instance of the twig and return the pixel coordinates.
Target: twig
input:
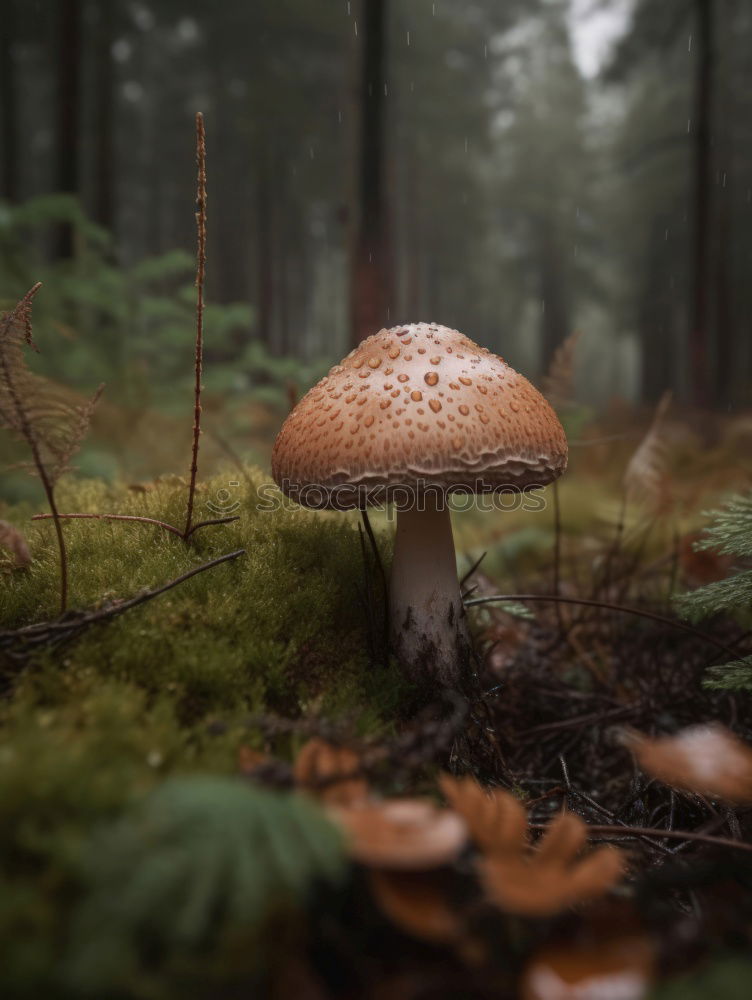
(382, 575)
(557, 554)
(647, 831)
(114, 517)
(472, 569)
(623, 608)
(200, 272)
(46, 631)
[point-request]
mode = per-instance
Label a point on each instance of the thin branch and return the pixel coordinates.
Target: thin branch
(200, 272)
(557, 554)
(213, 520)
(617, 832)
(623, 608)
(52, 630)
(114, 517)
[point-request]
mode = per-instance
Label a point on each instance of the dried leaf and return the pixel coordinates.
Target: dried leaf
(497, 821)
(330, 773)
(646, 478)
(415, 903)
(402, 834)
(707, 760)
(620, 969)
(13, 540)
(525, 881)
(558, 383)
(51, 420)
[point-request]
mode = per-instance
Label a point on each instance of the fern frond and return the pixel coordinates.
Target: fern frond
(558, 383)
(50, 420)
(198, 857)
(646, 478)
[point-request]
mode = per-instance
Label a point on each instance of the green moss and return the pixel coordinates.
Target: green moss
(168, 688)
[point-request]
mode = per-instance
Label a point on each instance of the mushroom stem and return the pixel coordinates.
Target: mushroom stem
(428, 622)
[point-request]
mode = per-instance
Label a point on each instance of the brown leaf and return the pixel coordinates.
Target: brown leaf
(14, 541)
(707, 760)
(517, 878)
(402, 834)
(497, 821)
(330, 773)
(414, 902)
(617, 969)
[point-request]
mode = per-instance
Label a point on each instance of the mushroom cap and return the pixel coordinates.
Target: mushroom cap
(417, 406)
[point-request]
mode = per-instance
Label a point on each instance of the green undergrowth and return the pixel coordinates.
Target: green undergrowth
(171, 687)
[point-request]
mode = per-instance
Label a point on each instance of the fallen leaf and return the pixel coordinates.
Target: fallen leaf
(706, 759)
(402, 834)
(497, 821)
(517, 878)
(13, 540)
(415, 903)
(330, 773)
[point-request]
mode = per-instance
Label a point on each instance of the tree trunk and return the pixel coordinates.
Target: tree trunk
(702, 128)
(656, 348)
(68, 117)
(371, 268)
(264, 250)
(104, 202)
(555, 323)
(8, 106)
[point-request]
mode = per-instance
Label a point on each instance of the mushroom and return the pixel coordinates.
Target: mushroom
(410, 416)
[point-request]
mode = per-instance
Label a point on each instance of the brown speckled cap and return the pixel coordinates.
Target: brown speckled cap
(412, 406)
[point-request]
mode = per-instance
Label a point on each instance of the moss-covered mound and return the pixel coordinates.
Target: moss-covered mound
(89, 727)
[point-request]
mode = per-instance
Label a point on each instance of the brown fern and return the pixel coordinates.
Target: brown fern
(47, 419)
(558, 383)
(646, 476)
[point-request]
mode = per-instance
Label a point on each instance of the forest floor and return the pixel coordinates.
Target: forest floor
(230, 672)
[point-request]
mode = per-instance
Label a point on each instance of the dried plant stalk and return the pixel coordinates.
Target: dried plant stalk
(200, 273)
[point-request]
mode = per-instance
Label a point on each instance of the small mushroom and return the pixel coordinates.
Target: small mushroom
(410, 416)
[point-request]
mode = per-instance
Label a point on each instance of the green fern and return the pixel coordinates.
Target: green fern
(198, 858)
(729, 533)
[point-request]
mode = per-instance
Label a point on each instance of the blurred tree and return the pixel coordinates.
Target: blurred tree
(545, 170)
(69, 58)
(8, 103)
(371, 278)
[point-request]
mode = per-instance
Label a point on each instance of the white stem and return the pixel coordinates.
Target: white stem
(429, 628)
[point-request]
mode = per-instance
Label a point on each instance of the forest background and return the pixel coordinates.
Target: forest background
(518, 170)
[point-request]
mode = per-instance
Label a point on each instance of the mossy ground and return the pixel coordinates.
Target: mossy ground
(91, 725)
